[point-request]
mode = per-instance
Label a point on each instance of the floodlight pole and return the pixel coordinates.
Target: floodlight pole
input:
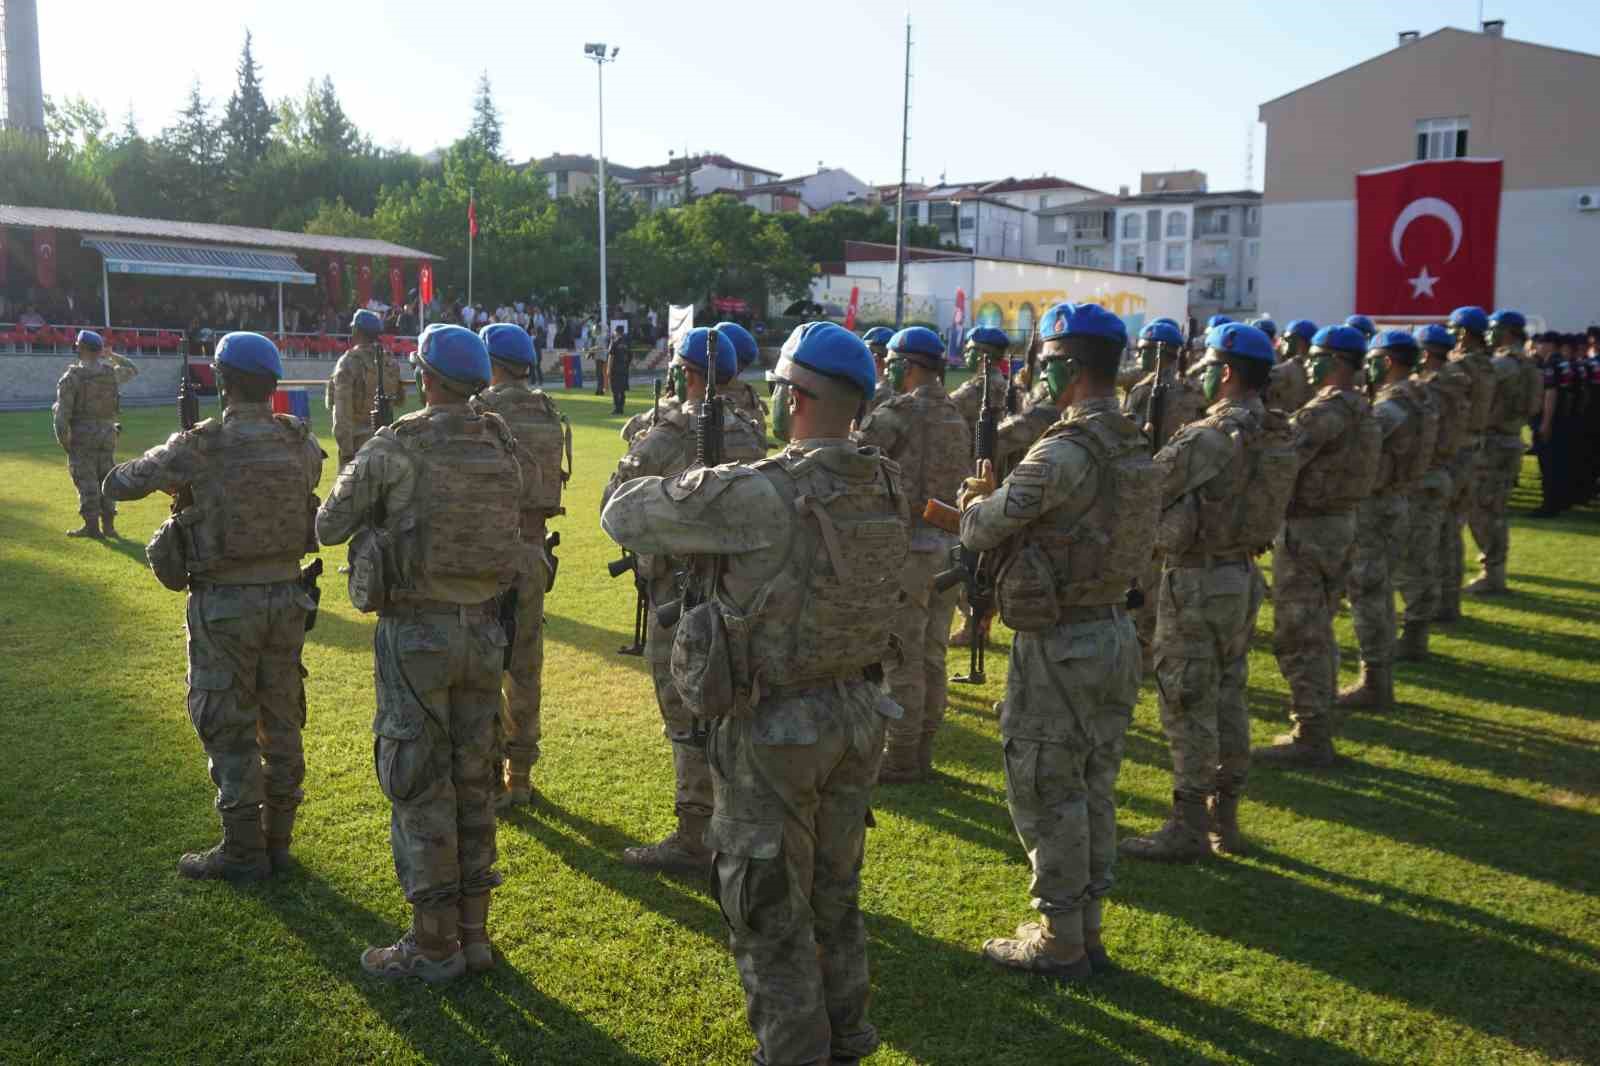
(600, 60)
(900, 202)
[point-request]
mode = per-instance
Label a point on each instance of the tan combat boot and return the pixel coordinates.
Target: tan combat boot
(277, 826)
(90, 528)
(1492, 582)
(902, 763)
(1222, 806)
(1309, 747)
(684, 849)
(241, 856)
(963, 636)
(474, 926)
(1181, 839)
(925, 755)
(430, 949)
(1053, 945)
(1413, 644)
(517, 789)
(1373, 692)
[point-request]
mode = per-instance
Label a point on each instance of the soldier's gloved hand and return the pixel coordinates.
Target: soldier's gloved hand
(1023, 378)
(976, 488)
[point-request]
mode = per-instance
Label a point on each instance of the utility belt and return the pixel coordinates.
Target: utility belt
(1206, 560)
(487, 611)
(1098, 612)
(871, 674)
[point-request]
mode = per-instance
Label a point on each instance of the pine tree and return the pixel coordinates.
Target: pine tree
(328, 126)
(193, 147)
(247, 127)
(485, 119)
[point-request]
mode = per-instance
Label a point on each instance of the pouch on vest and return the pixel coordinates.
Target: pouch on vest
(168, 550)
(369, 578)
(708, 667)
(1026, 591)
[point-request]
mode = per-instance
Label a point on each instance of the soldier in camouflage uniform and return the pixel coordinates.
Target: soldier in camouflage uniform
(1017, 432)
(1290, 386)
(877, 340)
(246, 482)
(666, 450)
(1409, 420)
(85, 423)
(921, 430)
(1184, 403)
(439, 492)
(542, 433)
(1501, 458)
(1468, 325)
(985, 347)
(1339, 441)
(1422, 558)
(806, 549)
(353, 385)
(741, 393)
(1226, 480)
(1071, 522)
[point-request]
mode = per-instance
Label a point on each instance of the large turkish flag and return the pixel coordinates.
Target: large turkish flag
(1425, 236)
(397, 284)
(44, 257)
(363, 281)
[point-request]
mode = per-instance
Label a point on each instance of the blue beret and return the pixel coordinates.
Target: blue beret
(1162, 331)
(918, 342)
(1515, 319)
(880, 335)
(1238, 339)
(1362, 323)
(508, 342)
(1217, 320)
(367, 321)
(693, 352)
(831, 350)
(1434, 335)
(1395, 338)
(1082, 320)
(88, 338)
(1266, 325)
(1303, 328)
(1470, 318)
(1340, 339)
(988, 335)
(1169, 321)
(250, 352)
(455, 353)
(745, 348)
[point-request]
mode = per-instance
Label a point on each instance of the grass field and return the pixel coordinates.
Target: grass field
(1433, 901)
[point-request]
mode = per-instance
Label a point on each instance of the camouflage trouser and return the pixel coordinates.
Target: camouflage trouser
(789, 835)
(520, 689)
(1310, 565)
(1451, 546)
(692, 795)
(247, 697)
(1144, 619)
(1495, 475)
(89, 461)
(920, 682)
(1202, 645)
(1416, 579)
(1381, 530)
(1070, 693)
(438, 680)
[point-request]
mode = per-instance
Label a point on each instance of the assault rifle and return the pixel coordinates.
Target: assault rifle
(308, 583)
(382, 406)
(630, 563)
(698, 580)
(188, 418)
(973, 569)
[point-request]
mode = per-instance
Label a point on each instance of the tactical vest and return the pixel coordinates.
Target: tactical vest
(829, 611)
(98, 399)
(1451, 391)
(541, 432)
(1094, 557)
(1341, 475)
(1288, 386)
(466, 519)
(1184, 404)
(1509, 411)
(936, 453)
(1408, 450)
(250, 497)
(1242, 508)
(1478, 364)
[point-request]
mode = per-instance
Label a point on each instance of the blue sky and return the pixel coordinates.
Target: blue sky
(1094, 92)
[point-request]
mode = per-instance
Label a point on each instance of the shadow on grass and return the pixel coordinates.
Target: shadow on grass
(1495, 747)
(1546, 581)
(1527, 639)
(1475, 681)
(498, 1017)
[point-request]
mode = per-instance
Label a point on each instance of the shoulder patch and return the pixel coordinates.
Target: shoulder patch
(1031, 472)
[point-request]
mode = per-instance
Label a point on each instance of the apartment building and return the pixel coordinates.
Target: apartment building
(817, 191)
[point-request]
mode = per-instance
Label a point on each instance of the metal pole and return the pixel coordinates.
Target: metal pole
(105, 290)
(473, 207)
(280, 309)
(600, 85)
(900, 202)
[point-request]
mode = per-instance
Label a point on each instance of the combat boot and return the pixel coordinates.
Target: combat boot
(277, 826)
(1224, 835)
(1492, 582)
(1449, 610)
(1052, 945)
(902, 761)
(963, 636)
(684, 849)
(430, 949)
(1373, 692)
(1308, 747)
(108, 525)
(1413, 645)
(1181, 839)
(90, 528)
(474, 927)
(241, 856)
(517, 789)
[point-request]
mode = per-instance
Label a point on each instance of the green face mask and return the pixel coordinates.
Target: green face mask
(895, 370)
(1377, 369)
(1211, 382)
(1147, 357)
(1059, 374)
(678, 383)
(780, 410)
(1321, 366)
(973, 359)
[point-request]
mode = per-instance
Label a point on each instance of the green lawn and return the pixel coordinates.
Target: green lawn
(1432, 902)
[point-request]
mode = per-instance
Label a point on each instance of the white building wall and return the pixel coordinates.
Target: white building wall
(1308, 256)
(831, 187)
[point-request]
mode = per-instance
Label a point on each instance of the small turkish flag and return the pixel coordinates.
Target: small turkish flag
(425, 283)
(397, 284)
(472, 216)
(855, 303)
(44, 257)
(335, 280)
(1425, 236)
(363, 281)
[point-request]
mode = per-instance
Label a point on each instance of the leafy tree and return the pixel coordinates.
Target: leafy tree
(317, 122)
(247, 126)
(31, 174)
(75, 127)
(193, 149)
(485, 120)
(822, 236)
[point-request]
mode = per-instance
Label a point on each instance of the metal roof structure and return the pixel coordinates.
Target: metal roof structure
(198, 261)
(93, 222)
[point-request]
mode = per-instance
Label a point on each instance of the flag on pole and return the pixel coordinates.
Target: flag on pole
(363, 281)
(472, 215)
(397, 283)
(1425, 236)
(425, 283)
(335, 279)
(44, 257)
(855, 305)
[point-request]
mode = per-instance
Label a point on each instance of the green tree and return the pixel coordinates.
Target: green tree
(247, 125)
(821, 237)
(75, 127)
(193, 163)
(32, 175)
(317, 122)
(485, 120)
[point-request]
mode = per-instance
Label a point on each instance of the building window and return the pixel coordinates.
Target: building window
(1216, 289)
(1061, 260)
(1442, 138)
(1025, 319)
(1214, 223)
(1177, 225)
(1177, 258)
(1085, 257)
(1132, 261)
(1044, 202)
(1252, 217)
(1250, 286)
(1130, 226)
(1063, 224)
(1089, 226)
(1252, 250)
(991, 315)
(966, 223)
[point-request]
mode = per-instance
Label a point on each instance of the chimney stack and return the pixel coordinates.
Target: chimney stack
(1407, 36)
(1494, 27)
(1122, 191)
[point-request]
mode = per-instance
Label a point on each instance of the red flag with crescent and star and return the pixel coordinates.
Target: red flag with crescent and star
(397, 283)
(425, 283)
(44, 257)
(335, 279)
(1426, 235)
(363, 281)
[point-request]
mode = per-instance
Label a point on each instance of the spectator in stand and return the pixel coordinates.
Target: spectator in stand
(537, 337)
(618, 360)
(31, 318)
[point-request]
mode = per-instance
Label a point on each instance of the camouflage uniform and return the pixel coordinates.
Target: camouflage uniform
(1422, 560)
(810, 544)
(665, 450)
(439, 648)
(1339, 442)
(541, 431)
(1288, 387)
(743, 396)
(1074, 502)
(352, 391)
(252, 475)
(968, 397)
(925, 434)
(85, 424)
(645, 419)
(1017, 432)
(1469, 486)
(1499, 464)
(880, 394)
